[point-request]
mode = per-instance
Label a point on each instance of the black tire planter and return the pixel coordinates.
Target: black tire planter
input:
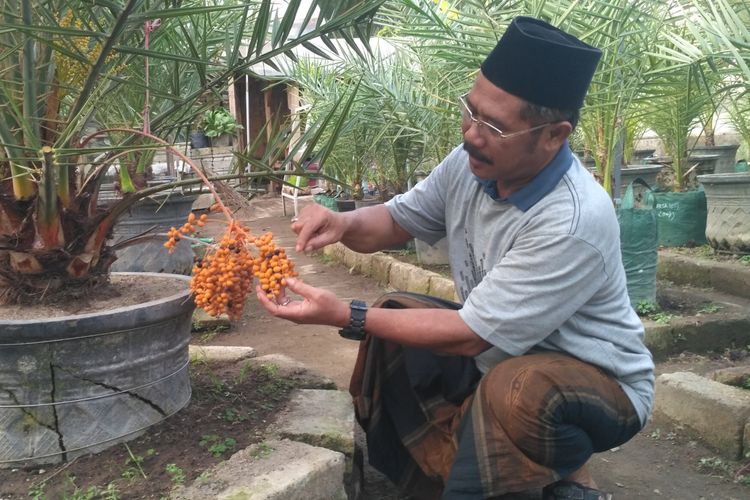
(164, 212)
(75, 385)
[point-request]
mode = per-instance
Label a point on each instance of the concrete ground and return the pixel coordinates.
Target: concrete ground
(663, 461)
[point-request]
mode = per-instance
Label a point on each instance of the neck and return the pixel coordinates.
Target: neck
(506, 187)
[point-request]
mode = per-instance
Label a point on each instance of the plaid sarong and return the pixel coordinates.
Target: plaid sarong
(436, 427)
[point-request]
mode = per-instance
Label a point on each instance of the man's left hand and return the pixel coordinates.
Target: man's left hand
(316, 307)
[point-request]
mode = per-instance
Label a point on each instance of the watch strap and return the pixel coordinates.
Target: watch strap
(356, 328)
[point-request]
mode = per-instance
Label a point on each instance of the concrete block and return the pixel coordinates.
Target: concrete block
(697, 334)
(364, 263)
(319, 418)
(730, 279)
(203, 321)
(419, 280)
(351, 260)
(442, 287)
(400, 272)
(335, 252)
(718, 412)
(289, 367)
(734, 375)
(381, 267)
(272, 470)
(682, 270)
(723, 276)
(220, 353)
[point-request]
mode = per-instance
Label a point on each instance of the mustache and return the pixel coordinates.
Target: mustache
(474, 152)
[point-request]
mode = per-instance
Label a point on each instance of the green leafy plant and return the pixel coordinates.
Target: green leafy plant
(234, 416)
(134, 464)
(714, 464)
(262, 450)
(72, 491)
(745, 260)
(175, 473)
(710, 309)
(662, 318)
(646, 308)
(218, 122)
(216, 445)
(203, 477)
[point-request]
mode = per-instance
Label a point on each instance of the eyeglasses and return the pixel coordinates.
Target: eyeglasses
(467, 115)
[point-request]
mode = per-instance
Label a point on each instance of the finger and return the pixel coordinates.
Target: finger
(305, 233)
(299, 287)
(265, 302)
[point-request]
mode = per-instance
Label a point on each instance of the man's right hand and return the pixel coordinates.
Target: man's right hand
(316, 227)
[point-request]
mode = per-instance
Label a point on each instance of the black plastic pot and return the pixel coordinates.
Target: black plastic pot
(199, 140)
(345, 205)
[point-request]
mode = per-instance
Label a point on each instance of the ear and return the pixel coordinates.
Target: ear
(556, 134)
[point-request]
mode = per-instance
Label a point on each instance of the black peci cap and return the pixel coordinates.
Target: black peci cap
(542, 64)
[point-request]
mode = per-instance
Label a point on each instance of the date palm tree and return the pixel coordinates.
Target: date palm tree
(65, 64)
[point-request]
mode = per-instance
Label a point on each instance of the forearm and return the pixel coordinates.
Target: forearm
(440, 330)
(371, 229)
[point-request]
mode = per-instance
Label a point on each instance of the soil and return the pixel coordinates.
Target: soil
(665, 461)
(119, 291)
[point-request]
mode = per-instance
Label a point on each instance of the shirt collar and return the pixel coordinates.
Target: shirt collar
(541, 185)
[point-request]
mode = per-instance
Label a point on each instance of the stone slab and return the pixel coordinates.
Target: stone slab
(319, 418)
(272, 470)
(203, 321)
(734, 375)
(723, 276)
(717, 412)
(289, 367)
(220, 353)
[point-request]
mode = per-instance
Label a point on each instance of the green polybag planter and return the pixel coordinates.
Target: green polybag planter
(682, 218)
(639, 235)
(327, 201)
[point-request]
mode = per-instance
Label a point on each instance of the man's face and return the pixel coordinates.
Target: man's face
(510, 160)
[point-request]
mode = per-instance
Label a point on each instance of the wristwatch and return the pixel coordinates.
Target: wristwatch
(356, 328)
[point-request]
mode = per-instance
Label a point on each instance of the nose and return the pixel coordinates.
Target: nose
(472, 133)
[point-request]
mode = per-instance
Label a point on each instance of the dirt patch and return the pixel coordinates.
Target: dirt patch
(231, 407)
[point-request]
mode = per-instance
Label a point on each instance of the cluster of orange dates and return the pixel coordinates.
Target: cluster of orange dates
(223, 277)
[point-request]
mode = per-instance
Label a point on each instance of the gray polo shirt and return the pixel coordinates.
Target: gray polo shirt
(539, 271)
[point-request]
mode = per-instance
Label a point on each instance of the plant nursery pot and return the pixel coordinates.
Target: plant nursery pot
(367, 202)
(646, 172)
(345, 205)
(728, 202)
(642, 154)
(726, 161)
(198, 140)
(163, 212)
(681, 218)
(74, 385)
(706, 163)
